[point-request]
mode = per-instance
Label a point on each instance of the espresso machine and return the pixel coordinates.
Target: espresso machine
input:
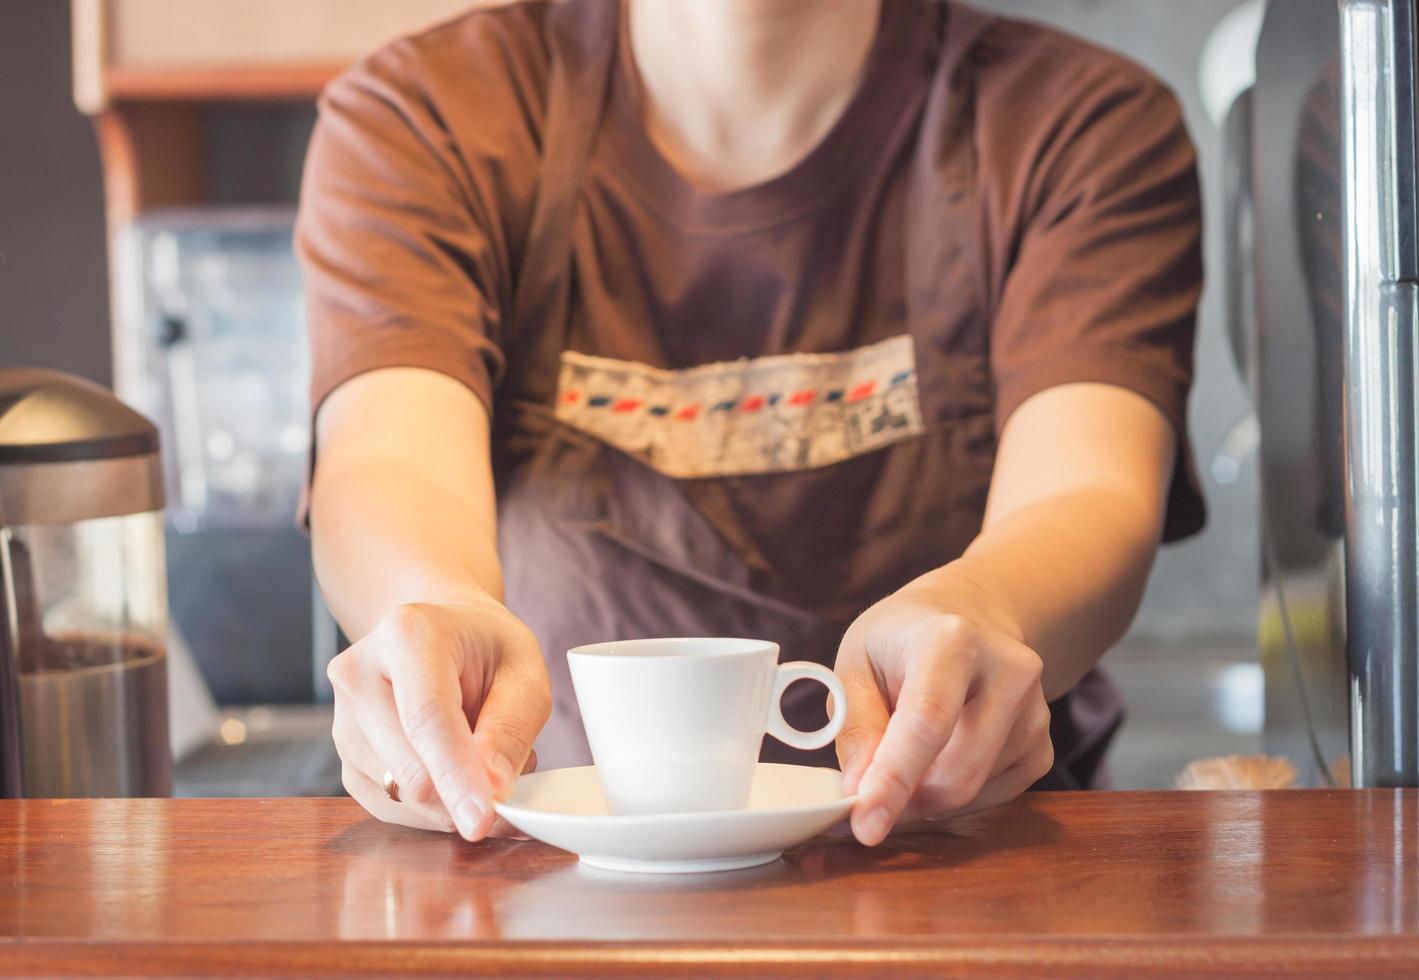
(83, 593)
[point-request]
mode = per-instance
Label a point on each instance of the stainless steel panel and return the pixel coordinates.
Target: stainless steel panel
(1382, 597)
(1378, 106)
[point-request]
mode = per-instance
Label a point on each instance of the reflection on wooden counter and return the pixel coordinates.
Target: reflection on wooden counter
(1089, 883)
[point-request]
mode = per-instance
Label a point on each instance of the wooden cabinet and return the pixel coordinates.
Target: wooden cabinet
(214, 49)
(145, 69)
(158, 75)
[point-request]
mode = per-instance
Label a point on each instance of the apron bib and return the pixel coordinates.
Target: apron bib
(596, 545)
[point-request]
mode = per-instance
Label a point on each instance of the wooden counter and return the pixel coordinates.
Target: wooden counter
(1299, 883)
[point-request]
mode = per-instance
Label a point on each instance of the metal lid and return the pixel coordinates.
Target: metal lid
(50, 417)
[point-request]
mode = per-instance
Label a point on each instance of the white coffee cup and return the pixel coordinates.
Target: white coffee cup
(675, 725)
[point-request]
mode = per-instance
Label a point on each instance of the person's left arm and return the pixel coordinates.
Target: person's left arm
(1091, 359)
(949, 677)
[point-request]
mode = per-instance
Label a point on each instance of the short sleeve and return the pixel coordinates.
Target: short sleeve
(397, 243)
(1107, 274)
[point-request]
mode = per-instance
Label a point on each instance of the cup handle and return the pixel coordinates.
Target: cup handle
(787, 734)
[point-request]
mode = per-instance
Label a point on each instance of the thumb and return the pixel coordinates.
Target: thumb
(512, 715)
(866, 720)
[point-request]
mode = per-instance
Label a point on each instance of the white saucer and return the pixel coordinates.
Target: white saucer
(788, 805)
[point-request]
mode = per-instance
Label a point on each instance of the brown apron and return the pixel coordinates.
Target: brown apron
(598, 546)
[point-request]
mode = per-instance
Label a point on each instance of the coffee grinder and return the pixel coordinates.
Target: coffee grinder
(83, 593)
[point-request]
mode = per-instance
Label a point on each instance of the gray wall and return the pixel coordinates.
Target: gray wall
(53, 277)
(1208, 586)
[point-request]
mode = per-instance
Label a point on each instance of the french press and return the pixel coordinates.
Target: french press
(83, 593)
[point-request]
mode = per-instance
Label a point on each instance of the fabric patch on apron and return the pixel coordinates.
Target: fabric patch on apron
(754, 415)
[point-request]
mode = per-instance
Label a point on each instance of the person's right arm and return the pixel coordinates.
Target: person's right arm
(442, 686)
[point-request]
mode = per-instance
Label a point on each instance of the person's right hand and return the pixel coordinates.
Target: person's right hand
(446, 698)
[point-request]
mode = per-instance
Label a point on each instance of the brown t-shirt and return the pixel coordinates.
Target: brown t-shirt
(772, 405)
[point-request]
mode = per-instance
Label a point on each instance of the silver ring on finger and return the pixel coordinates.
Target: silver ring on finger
(391, 788)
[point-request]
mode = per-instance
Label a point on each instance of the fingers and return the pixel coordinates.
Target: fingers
(512, 714)
(866, 720)
(404, 698)
(501, 828)
(370, 795)
(1030, 731)
(1014, 780)
(359, 756)
(968, 709)
(372, 739)
(928, 706)
(428, 697)
(1028, 751)
(977, 750)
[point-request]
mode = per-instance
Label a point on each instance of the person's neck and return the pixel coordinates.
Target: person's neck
(738, 91)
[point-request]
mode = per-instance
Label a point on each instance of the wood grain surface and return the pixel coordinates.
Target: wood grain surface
(206, 83)
(1296, 883)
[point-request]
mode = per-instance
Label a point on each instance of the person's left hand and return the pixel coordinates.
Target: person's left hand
(945, 714)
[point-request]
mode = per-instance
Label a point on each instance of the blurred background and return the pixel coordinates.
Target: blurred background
(178, 287)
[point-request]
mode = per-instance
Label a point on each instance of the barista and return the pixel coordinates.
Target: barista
(862, 326)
